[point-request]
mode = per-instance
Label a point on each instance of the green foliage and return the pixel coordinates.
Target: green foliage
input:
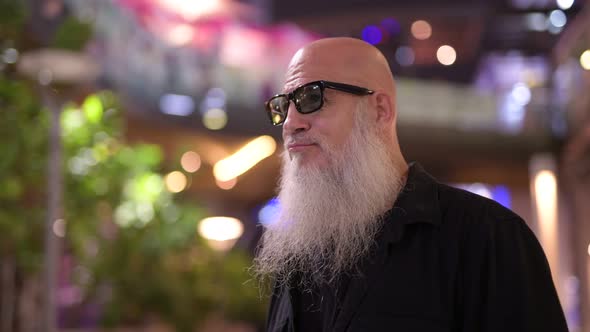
(72, 34)
(136, 239)
(23, 147)
(146, 249)
(11, 19)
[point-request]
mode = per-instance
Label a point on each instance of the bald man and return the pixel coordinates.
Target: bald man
(366, 242)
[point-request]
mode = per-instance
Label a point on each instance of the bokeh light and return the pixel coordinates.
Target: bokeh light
(215, 119)
(179, 105)
(145, 187)
(545, 190)
(221, 228)
(404, 55)
(511, 114)
(175, 181)
(93, 109)
(144, 212)
(565, 4)
(190, 161)
(521, 94)
(536, 21)
(557, 18)
(180, 35)
(215, 98)
(546, 193)
(59, 228)
(10, 55)
(585, 60)
(192, 10)
(446, 55)
(480, 189)
(421, 30)
(125, 214)
(269, 213)
(221, 232)
(554, 30)
(391, 25)
(45, 76)
(227, 185)
(501, 194)
(372, 34)
(245, 158)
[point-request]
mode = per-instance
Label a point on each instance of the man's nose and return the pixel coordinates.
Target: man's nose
(295, 122)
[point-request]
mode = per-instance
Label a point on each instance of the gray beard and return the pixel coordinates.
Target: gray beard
(329, 217)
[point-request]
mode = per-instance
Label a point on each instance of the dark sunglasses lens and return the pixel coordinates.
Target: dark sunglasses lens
(277, 109)
(308, 98)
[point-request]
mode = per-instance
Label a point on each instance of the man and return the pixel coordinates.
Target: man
(366, 242)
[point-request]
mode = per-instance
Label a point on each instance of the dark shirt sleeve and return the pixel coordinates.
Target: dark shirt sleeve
(505, 283)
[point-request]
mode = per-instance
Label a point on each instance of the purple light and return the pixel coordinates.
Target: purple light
(177, 104)
(501, 194)
(372, 34)
(391, 25)
(404, 56)
(269, 213)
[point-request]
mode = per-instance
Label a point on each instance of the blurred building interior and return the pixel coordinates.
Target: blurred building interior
(492, 97)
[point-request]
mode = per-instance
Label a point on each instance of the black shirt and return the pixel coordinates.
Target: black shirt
(445, 260)
(316, 308)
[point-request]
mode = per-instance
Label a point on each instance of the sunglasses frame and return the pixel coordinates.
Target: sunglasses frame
(352, 89)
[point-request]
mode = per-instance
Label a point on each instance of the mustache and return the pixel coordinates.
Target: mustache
(303, 139)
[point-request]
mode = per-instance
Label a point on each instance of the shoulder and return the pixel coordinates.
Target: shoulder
(501, 272)
(479, 220)
(460, 215)
(469, 209)
(455, 202)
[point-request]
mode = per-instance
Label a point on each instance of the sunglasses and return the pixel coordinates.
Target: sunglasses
(307, 98)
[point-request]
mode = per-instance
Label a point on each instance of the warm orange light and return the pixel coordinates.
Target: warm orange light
(221, 232)
(226, 185)
(446, 55)
(245, 158)
(190, 161)
(421, 30)
(175, 181)
(546, 195)
(585, 60)
(545, 189)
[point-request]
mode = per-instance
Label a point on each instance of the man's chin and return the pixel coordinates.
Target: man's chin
(309, 162)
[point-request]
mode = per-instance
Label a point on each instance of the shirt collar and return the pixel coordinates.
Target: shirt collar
(417, 203)
(418, 200)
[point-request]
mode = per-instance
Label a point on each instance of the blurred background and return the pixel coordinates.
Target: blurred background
(138, 168)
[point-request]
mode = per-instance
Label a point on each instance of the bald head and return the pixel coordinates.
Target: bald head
(349, 61)
(342, 60)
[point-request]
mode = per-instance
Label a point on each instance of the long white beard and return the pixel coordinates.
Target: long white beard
(329, 217)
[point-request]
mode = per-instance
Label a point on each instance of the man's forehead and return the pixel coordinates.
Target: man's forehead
(303, 70)
(309, 65)
(301, 73)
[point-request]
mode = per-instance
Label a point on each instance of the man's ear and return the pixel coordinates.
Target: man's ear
(385, 107)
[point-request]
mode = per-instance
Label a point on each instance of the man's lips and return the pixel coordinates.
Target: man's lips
(293, 147)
